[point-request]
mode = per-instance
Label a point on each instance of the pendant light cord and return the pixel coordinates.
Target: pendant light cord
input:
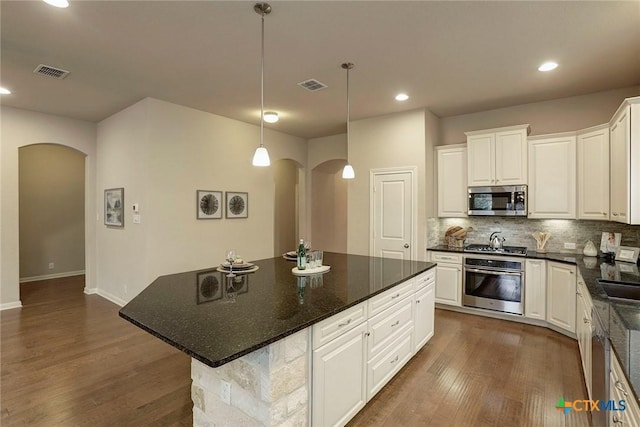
(262, 86)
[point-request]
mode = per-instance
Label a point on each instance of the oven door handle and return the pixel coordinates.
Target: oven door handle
(495, 273)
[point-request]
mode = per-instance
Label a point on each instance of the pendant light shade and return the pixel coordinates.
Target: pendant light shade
(261, 156)
(348, 172)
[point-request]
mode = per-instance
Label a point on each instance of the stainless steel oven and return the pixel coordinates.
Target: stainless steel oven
(494, 283)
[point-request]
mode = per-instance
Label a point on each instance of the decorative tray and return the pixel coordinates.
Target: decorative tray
(308, 271)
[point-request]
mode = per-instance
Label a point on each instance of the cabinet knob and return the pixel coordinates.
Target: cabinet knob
(586, 320)
(530, 213)
(604, 213)
(614, 214)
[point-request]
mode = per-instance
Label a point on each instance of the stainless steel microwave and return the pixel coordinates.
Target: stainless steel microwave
(498, 201)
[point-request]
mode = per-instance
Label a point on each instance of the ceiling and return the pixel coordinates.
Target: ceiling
(450, 57)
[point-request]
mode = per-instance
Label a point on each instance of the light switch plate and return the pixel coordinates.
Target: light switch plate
(569, 245)
(136, 218)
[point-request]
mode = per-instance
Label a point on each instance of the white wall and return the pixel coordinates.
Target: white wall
(393, 140)
(161, 154)
(558, 115)
(21, 128)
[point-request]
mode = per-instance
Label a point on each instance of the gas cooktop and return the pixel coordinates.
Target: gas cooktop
(506, 250)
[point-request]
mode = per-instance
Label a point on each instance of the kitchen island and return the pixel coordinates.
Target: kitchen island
(253, 338)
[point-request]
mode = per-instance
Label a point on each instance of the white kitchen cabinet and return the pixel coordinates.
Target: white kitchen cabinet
(497, 156)
(424, 312)
(535, 289)
(584, 329)
(561, 295)
(448, 277)
(593, 173)
(339, 378)
(625, 163)
(620, 391)
(552, 177)
(452, 181)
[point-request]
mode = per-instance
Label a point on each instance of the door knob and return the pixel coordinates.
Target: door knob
(406, 246)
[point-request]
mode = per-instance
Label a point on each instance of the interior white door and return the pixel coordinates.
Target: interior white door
(392, 215)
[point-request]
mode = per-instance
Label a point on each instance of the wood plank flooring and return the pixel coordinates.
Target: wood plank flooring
(67, 359)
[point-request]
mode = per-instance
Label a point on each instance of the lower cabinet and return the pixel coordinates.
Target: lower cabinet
(584, 330)
(621, 393)
(535, 289)
(561, 295)
(449, 277)
(339, 374)
(356, 352)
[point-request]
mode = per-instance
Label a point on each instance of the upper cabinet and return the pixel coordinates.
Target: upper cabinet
(593, 173)
(552, 177)
(625, 163)
(497, 156)
(452, 181)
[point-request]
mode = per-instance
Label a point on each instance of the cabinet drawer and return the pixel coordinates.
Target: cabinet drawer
(446, 257)
(425, 278)
(381, 369)
(330, 328)
(381, 302)
(388, 325)
(620, 390)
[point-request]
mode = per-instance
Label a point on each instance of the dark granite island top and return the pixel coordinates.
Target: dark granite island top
(194, 312)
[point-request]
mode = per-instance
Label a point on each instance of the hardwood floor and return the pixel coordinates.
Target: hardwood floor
(67, 359)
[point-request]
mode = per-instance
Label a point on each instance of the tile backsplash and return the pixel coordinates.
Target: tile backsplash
(518, 231)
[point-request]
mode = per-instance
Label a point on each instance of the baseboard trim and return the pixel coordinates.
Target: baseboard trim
(114, 299)
(10, 305)
(90, 291)
(51, 276)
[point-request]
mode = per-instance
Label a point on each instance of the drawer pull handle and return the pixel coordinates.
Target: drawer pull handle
(621, 388)
(417, 301)
(586, 320)
(616, 419)
(396, 323)
(579, 293)
(395, 296)
(394, 360)
(340, 325)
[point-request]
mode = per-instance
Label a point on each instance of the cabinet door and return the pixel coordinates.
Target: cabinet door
(339, 378)
(511, 157)
(561, 296)
(424, 315)
(583, 331)
(620, 167)
(452, 182)
(449, 284)
(480, 160)
(552, 178)
(593, 175)
(535, 289)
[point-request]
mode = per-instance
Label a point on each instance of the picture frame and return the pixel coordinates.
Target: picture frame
(610, 241)
(209, 286)
(114, 207)
(209, 204)
(627, 254)
(237, 204)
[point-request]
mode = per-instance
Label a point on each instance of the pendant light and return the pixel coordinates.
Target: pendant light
(261, 156)
(348, 172)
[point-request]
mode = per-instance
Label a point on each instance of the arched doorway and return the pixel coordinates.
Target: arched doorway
(286, 227)
(329, 206)
(51, 192)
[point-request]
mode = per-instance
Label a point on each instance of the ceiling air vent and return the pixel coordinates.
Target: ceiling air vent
(312, 85)
(49, 71)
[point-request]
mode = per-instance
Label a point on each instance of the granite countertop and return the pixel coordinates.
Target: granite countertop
(621, 319)
(194, 311)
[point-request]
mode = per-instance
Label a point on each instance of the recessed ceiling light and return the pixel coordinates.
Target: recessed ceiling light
(271, 117)
(4, 91)
(402, 97)
(548, 66)
(57, 3)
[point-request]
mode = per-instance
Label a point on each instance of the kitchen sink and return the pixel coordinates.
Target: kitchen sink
(627, 291)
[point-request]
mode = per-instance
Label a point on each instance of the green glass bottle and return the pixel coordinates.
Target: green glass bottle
(302, 256)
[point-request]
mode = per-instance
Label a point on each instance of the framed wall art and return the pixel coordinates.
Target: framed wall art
(114, 207)
(209, 204)
(209, 286)
(237, 205)
(627, 254)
